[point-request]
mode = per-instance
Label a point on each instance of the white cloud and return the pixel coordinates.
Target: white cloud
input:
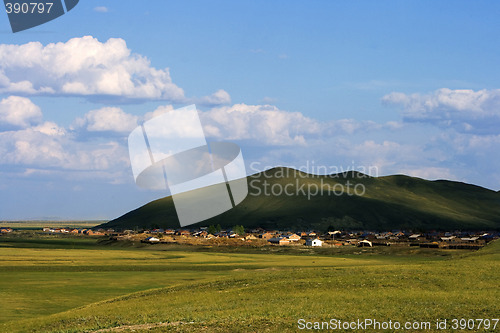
(348, 126)
(263, 123)
(35, 149)
(107, 119)
(50, 128)
(268, 125)
(19, 112)
(281, 138)
(83, 67)
(101, 9)
(159, 111)
(220, 97)
(388, 156)
(44, 148)
(269, 100)
(465, 110)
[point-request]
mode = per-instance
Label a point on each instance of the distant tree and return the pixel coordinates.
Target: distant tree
(218, 228)
(212, 229)
(344, 223)
(239, 229)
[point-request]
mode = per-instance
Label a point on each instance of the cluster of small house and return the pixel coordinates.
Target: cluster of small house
(89, 232)
(456, 239)
(5, 230)
(452, 240)
(271, 237)
(310, 238)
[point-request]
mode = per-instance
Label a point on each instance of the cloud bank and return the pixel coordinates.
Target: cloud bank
(19, 112)
(104, 71)
(95, 143)
(465, 110)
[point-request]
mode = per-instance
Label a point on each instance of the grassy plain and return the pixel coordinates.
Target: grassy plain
(29, 225)
(75, 284)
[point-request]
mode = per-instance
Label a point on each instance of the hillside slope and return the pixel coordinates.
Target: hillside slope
(341, 201)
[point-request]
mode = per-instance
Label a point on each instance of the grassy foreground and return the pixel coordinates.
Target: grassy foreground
(89, 288)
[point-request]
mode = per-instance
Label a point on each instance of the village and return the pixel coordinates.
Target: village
(214, 235)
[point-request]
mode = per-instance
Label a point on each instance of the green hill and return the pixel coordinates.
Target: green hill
(342, 201)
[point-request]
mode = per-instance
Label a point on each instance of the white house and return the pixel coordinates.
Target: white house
(365, 242)
(314, 242)
(333, 233)
(152, 240)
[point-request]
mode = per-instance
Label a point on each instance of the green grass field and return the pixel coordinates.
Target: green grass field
(75, 284)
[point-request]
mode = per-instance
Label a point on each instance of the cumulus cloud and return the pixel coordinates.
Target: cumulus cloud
(46, 148)
(220, 97)
(351, 126)
(388, 156)
(31, 147)
(83, 67)
(158, 111)
(43, 147)
(281, 138)
(268, 125)
(107, 119)
(50, 128)
(269, 100)
(19, 112)
(374, 157)
(263, 123)
(465, 110)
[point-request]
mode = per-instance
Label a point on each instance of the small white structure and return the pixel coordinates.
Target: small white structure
(314, 242)
(365, 242)
(470, 239)
(152, 240)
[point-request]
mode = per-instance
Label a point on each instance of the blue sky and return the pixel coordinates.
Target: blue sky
(408, 87)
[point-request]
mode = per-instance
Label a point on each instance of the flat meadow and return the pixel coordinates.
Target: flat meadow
(85, 284)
